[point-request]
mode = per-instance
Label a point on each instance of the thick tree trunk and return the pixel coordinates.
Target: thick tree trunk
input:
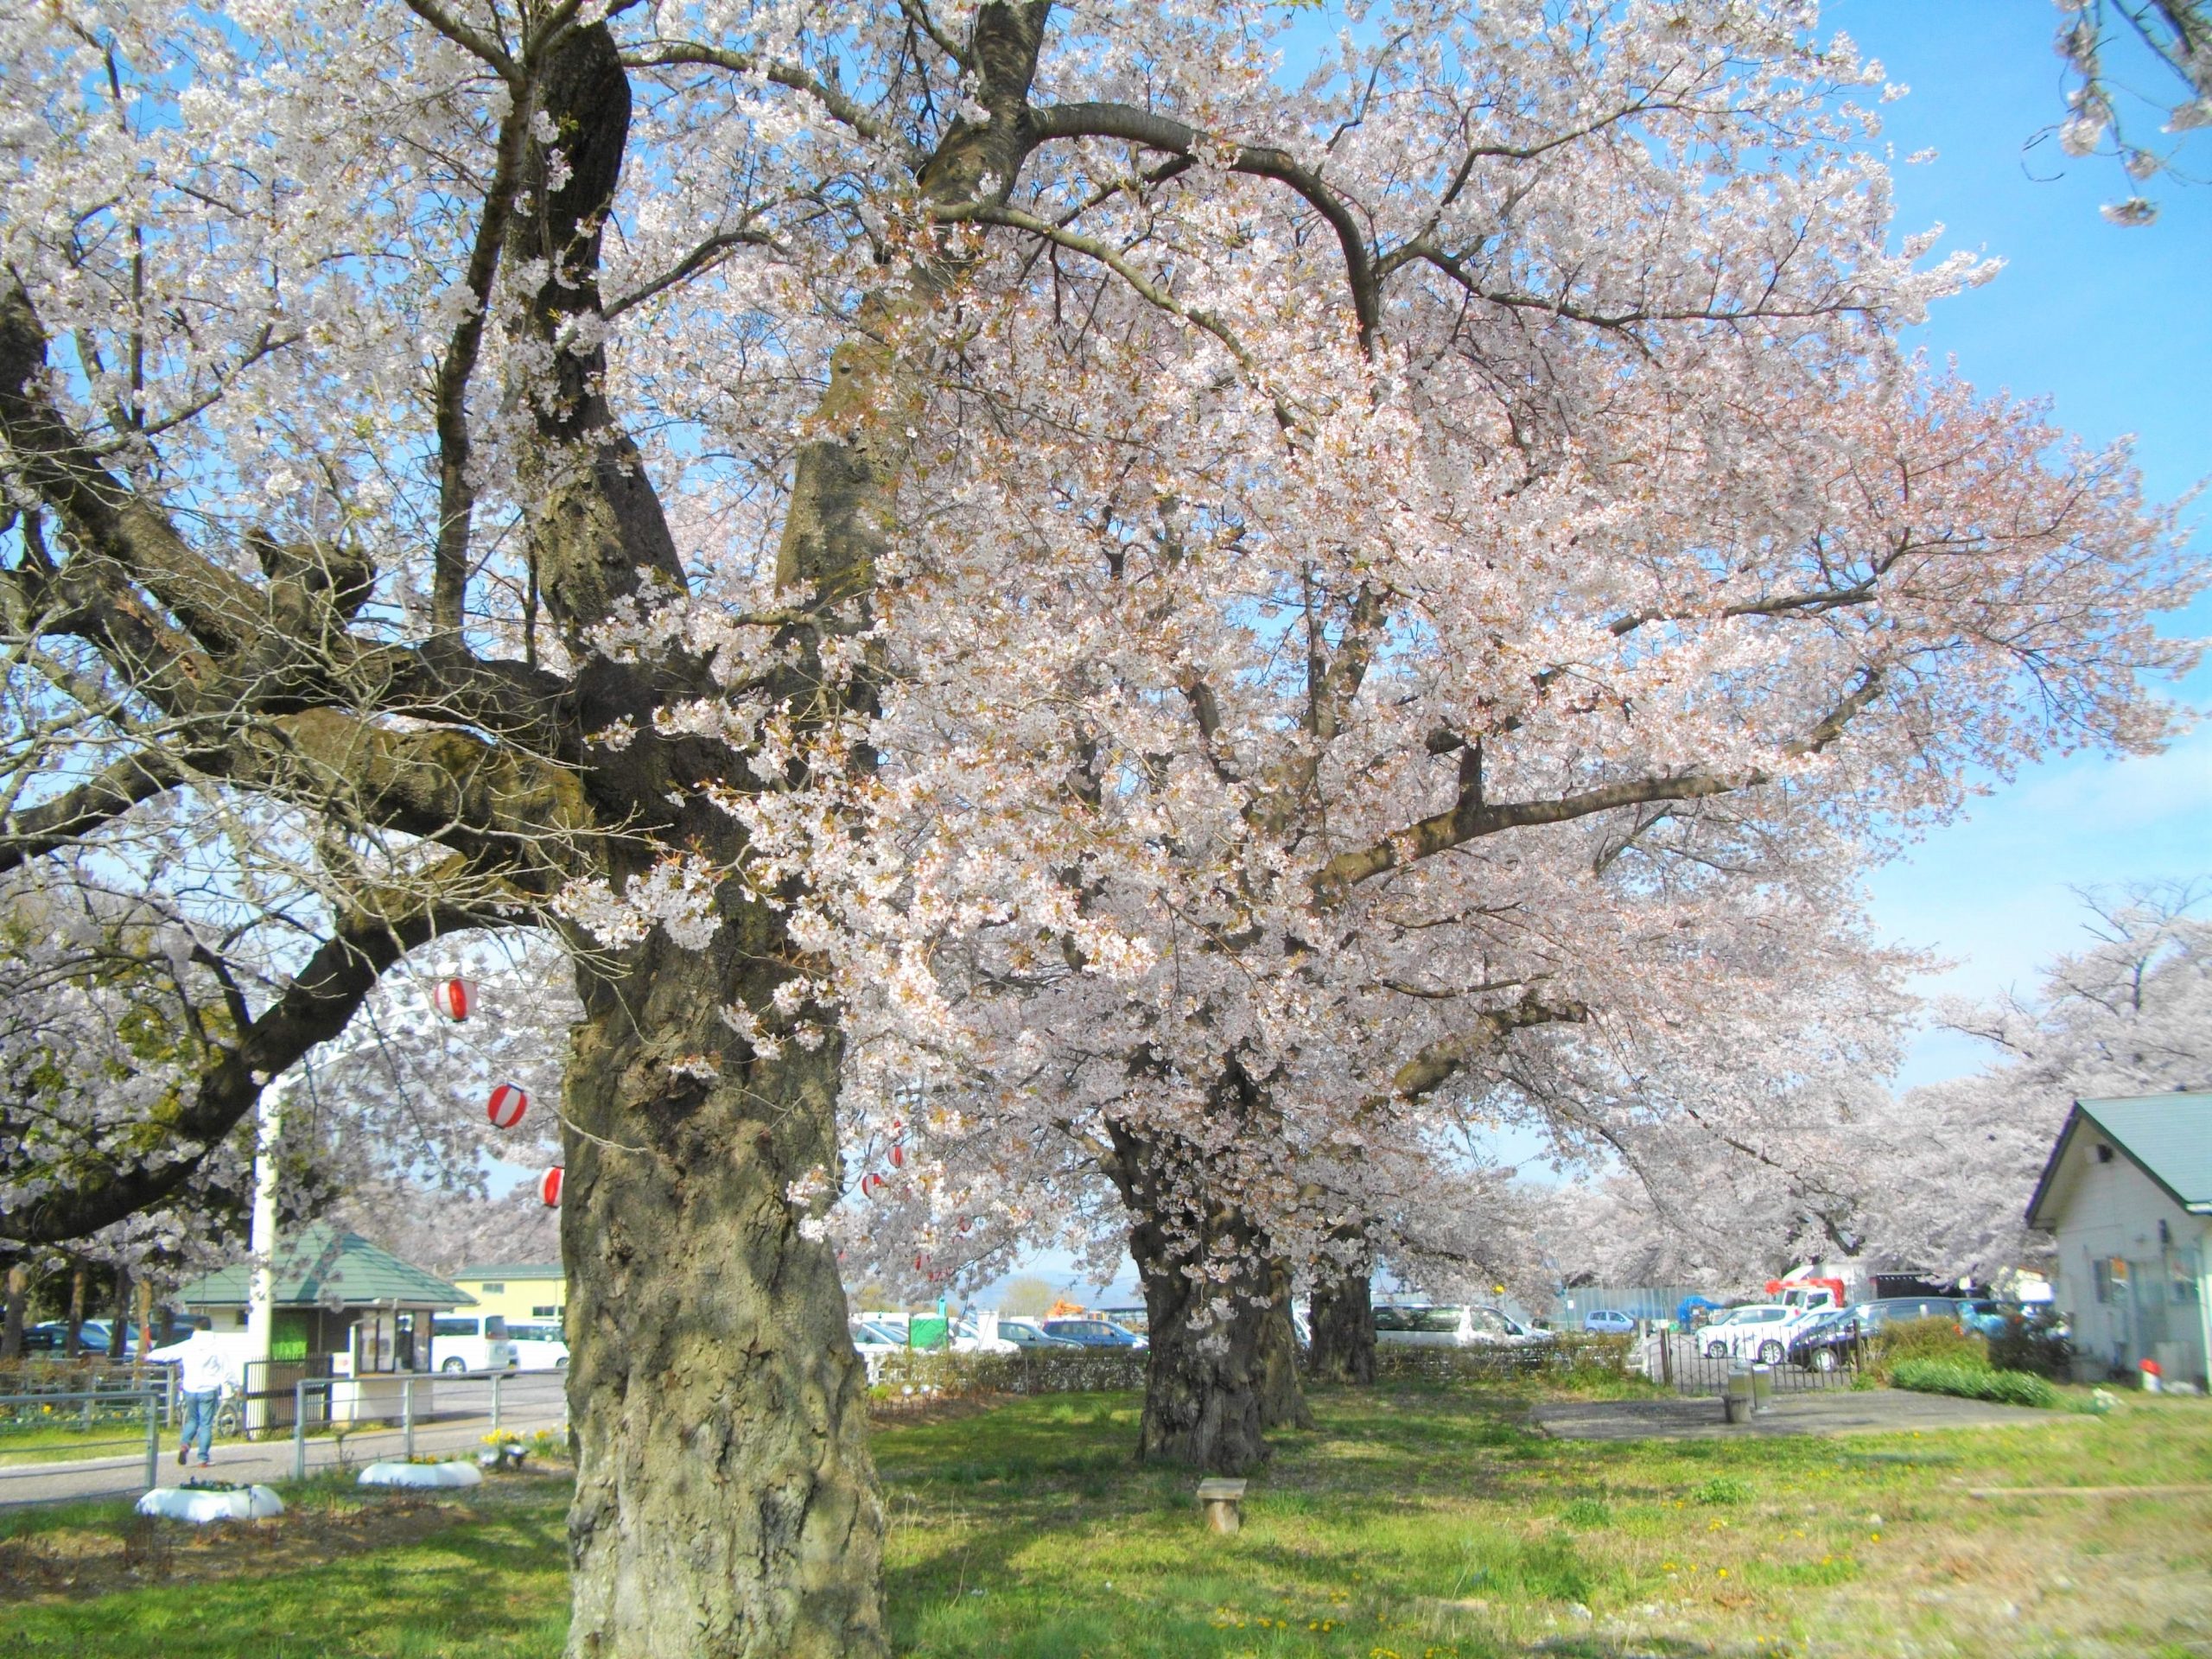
(1343, 1326)
(118, 1335)
(11, 1323)
(1282, 1402)
(1221, 1365)
(726, 1504)
(140, 1340)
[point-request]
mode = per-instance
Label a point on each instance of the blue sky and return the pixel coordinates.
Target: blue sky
(2113, 326)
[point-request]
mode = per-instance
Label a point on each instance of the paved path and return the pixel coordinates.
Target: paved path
(526, 1404)
(1854, 1411)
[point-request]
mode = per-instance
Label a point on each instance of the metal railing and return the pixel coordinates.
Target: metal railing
(137, 1412)
(1678, 1359)
(370, 1399)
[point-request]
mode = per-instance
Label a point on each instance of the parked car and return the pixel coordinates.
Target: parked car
(1609, 1322)
(1453, 1326)
(1827, 1343)
(1878, 1315)
(539, 1347)
(1092, 1333)
(1028, 1334)
(873, 1340)
(967, 1336)
(470, 1342)
(1759, 1331)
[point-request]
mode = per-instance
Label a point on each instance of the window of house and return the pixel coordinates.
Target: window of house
(494, 1288)
(550, 1311)
(2102, 1269)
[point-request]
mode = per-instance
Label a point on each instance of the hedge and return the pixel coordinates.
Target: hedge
(1973, 1383)
(957, 1376)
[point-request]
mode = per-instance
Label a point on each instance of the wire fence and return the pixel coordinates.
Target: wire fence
(58, 1444)
(38, 1429)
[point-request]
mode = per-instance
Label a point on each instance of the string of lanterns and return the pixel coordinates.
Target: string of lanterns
(455, 998)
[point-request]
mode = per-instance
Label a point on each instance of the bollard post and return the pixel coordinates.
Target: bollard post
(495, 1402)
(153, 1445)
(300, 1429)
(407, 1414)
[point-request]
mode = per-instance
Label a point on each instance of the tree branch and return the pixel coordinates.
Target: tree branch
(1160, 132)
(1470, 818)
(1436, 1063)
(313, 1008)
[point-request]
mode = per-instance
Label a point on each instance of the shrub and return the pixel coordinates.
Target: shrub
(1589, 1512)
(2029, 1344)
(1973, 1383)
(957, 1376)
(1934, 1340)
(1723, 1489)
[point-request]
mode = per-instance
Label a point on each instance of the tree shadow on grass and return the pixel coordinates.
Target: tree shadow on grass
(493, 1591)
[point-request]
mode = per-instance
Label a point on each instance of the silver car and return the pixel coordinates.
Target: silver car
(1453, 1326)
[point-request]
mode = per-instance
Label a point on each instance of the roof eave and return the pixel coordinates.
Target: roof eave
(2074, 1115)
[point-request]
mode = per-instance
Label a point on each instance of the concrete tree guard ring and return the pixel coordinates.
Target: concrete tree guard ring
(421, 1474)
(1221, 1498)
(199, 1504)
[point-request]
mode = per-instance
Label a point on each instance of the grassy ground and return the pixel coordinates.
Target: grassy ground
(65, 1442)
(1413, 1523)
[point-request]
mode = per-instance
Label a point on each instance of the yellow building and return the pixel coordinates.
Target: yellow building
(522, 1293)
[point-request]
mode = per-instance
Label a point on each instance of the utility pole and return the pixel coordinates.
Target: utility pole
(261, 1289)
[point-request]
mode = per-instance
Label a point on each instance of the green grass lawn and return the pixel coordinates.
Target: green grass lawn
(1413, 1523)
(67, 1439)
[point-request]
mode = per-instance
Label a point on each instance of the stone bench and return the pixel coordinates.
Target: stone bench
(1222, 1499)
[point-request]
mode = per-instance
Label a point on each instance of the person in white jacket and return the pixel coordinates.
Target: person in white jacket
(204, 1367)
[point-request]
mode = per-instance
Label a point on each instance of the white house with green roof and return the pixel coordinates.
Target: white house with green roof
(2128, 1193)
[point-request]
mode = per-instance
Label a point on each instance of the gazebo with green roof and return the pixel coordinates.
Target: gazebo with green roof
(335, 1294)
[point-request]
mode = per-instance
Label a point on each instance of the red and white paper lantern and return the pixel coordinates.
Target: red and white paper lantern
(549, 1188)
(506, 1106)
(898, 1157)
(455, 998)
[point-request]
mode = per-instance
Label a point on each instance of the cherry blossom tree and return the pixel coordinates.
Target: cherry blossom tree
(1935, 1179)
(106, 1020)
(2128, 1014)
(2173, 38)
(836, 508)
(1283, 762)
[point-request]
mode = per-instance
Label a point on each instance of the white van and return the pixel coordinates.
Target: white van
(468, 1342)
(540, 1346)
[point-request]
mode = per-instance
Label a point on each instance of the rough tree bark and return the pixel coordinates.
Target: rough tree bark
(725, 1500)
(1343, 1325)
(11, 1320)
(118, 1336)
(1282, 1400)
(1222, 1364)
(1202, 1384)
